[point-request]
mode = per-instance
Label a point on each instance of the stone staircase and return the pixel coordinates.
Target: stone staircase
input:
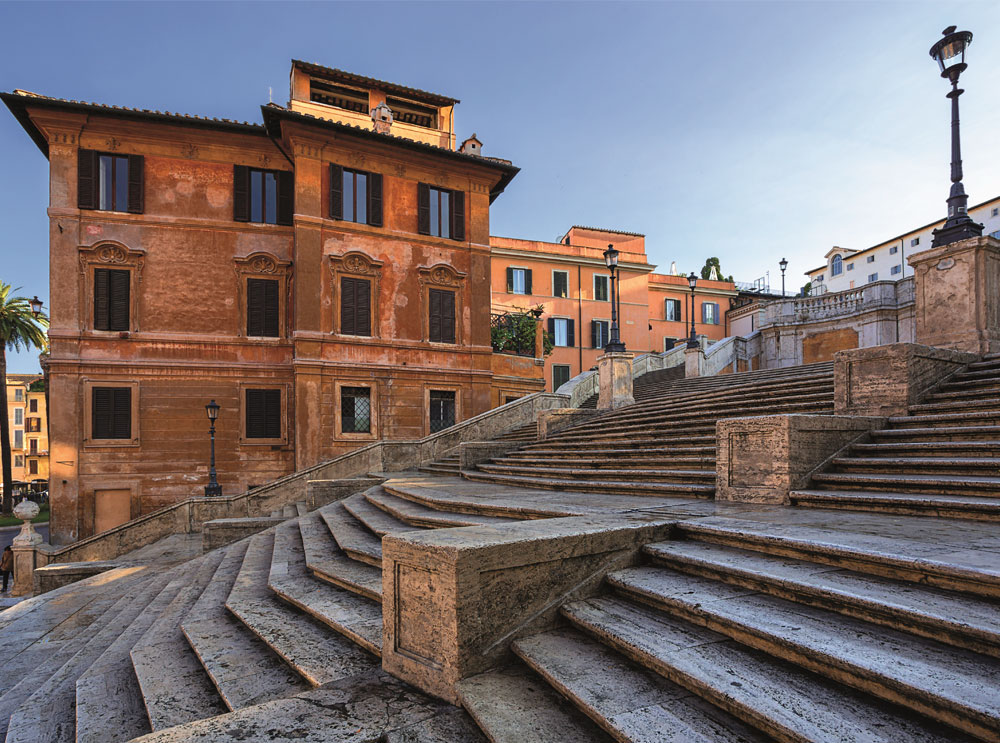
(943, 458)
(451, 463)
(743, 630)
(665, 443)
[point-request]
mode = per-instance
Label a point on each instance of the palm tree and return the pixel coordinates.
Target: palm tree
(20, 328)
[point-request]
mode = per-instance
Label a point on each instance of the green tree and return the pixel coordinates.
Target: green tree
(706, 270)
(19, 330)
(807, 288)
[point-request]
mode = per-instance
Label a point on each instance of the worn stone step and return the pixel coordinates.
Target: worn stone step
(988, 371)
(426, 517)
(982, 508)
(938, 433)
(355, 540)
(704, 436)
(241, 666)
(989, 361)
(779, 699)
(958, 385)
(175, 687)
(583, 460)
(948, 420)
(947, 684)
(327, 561)
(513, 705)
(350, 614)
(441, 469)
(980, 391)
(631, 453)
(597, 485)
(944, 566)
(583, 472)
(316, 653)
(942, 449)
(947, 616)
(626, 700)
(288, 511)
(953, 464)
(301, 509)
(978, 404)
(911, 483)
(375, 519)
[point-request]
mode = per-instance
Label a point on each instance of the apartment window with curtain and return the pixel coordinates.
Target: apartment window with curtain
(710, 313)
(672, 310)
(561, 329)
(518, 280)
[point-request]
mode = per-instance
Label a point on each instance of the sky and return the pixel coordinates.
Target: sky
(750, 131)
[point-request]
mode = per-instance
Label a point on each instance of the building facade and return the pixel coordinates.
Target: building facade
(27, 417)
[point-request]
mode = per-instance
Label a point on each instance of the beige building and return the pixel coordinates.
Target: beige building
(29, 438)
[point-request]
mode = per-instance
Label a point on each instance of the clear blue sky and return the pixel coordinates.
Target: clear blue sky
(745, 130)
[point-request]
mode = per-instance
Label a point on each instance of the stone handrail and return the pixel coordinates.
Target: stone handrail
(832, 305)
(650, 362)
(580, 388)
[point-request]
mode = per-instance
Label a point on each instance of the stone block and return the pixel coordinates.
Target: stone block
(550, 421)
(51, 577)
(886, 380)
(694, 361)
(454, 599)
(321, 492)
(760, 459)
(614, 371)
(472, 453)
(220, 532)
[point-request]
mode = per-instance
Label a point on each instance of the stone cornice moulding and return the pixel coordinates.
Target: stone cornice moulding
(574, 259)
(441, 274)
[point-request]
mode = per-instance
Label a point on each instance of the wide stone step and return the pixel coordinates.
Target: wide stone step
(953, 385)
(441, 469)
(948, 420)
(944, 566)
(242, 667)
(423, 516)
(704, 435)
(980, 392)
(915, 465)
(327, 561)
(375, 519)
(911, 483)
(778, 698)
(513, 705)
(317, 654)
(981, 508)
(606, 462)
(628, 701)
(989, 361)
(942, 449)
(355, 540)
(598, 485)
(352, 615)
(631, 453)
(949, 685)
(988, 371)
(946, 616)
(927, 434)
(606, 472)
(984, 404)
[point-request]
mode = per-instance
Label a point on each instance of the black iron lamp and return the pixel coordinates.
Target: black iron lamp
(614, 344)
(693, 283)
(783, 264)
(213, 487)
(36, 305)
(949, 52)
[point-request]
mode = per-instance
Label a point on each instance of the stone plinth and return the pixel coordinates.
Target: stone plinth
(694, 361)
(615, 380)
(550, 421)
(762, 458)
(958, 295)
(454, 599)
(886, 380)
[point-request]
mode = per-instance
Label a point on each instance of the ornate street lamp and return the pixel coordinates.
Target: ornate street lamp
(615, 344)
(213, 487)
(692, 282)
(949, 52)
(783, 264)
(36, 306)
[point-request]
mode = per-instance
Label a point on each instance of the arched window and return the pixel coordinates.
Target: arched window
(836, 266)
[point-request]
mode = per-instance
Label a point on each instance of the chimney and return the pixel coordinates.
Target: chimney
(382, 118)
(471, 146)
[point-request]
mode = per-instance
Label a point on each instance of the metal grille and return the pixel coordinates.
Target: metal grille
(442, 410)
(513, 333)
(355, 409)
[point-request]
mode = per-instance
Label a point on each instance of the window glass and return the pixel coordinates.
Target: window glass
(871, 258)
(445, 214)
(435, 212)
(603, 333)
(18, 416)
(105, 173)
(270, 198)
(601, 288)
(256, 205)
(18, 439)
(121, 184)
(517, 275)
(836, 266)
(442, 412)
(561, 335)
(873, 277)
(560, 375)
(896, 269)
(349, 195)
(355, 409)
(893, 250)
(18, 395)
(560, 284)
(850, 266)
(361, 182)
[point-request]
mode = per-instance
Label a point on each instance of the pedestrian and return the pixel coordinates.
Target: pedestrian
(6, 565)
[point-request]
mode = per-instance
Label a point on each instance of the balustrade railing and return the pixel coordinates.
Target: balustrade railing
(513, 333)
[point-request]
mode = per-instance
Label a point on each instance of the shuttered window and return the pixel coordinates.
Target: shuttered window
(710, 313)
(111, 299)
(110, 182)
(600, 333)
(111, 413)
(672, 309)
(262, 308)
(263, 414)
(518, 280)
(601, 288)
(560, 284)
(442, 412)
(442, 316)
(562, 331)
(355, 306)
(266, 196)
(355, 196)
(560, 375)
(440, 212)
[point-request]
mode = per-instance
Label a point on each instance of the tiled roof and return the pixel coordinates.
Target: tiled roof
(603, 229)
(371, 82)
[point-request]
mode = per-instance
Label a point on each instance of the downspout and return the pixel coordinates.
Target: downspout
(579, 313)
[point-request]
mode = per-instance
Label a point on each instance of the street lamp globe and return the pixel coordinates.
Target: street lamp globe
(212, 409)
(692, 281)
(949, 52)
(783, 263)
(611, 257)
(36, 305)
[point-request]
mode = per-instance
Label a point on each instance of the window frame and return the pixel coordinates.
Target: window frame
(434, 387)
(444, 277)
(110, 255)
(353, 265)
(444, 339)
(870, 258)
(284, 191)
(89, 181)
(914, 242)
(675, 303)
(373, 197)
(564, 273)
(836, 265)
(284, 407)
(274, 315)
(716, 312)
(569, 376)
(872, 277)
(88, 414)
(555, 333)
(849, 266)
(607, 287)
(893, 249)
(373, 423)
(261, 265)
(18, 416)
(604, 334)
(457, 212)
(896, 269)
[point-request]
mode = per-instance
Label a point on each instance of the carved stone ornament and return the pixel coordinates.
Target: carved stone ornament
(261, 263)
(441, 275)
(112, 254)
(356, 263)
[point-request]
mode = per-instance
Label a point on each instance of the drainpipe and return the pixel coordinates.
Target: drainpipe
(579, 314)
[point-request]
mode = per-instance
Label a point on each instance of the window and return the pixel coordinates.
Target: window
(601, 288)
(32, 466)
(111, 413)
(19, 439)
(895, 270)
(355, 196)
(32, 406)
(873, 277)
(355, 410)
(355, 306)
(18, 416)
(18, 460)
(262, 308)
(441, 328)
(518, 280)
(266, 196)
(850, 266)
(710, 313)
(669, 343)
(914, 242)
(560, 283)
(836, 266)
(870, 259)
(995, 234)
(263, 414)
(995, 212)
(440, 213)
(560, 375)
(111, 299)
(819, 277)
(672, 310)
(34, 425)
(33, 446)
(442, 410)
(19, 395)
(561, 329)
(893, 250)
(109, 182)
(600, 333)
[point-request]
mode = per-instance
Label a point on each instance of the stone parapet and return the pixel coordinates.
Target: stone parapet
(454, 599)
(551, 421)
(471, 453)
(220, 532)
(886, 380)
(51, 577)
(761, 459)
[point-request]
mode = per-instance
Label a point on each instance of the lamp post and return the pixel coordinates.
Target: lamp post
(213, 487)
(36, 306)
(783, 264)
(949, 53)
(692, 282)
(614, 345)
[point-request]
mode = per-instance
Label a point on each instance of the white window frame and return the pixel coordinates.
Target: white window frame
(873, 276)
(554, 272)
(607, 280)
(895, 270)
(515, 272)
(679, 306)
(836, 265)
(560, 322)
(18, 416)
(605, 334)
(716, 311)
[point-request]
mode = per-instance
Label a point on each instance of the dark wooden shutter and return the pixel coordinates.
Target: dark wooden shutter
(448, 317)
(423, 209)
(434, 320)
(121, 425)
(286, 196)
(510, 280)
(594, 332)
(111, 413)
(552, 327)
(272, 413)
(458, 215)
(263, 414)
(271, 308)
(136, 201)
(241, 193)
(336, 192)
(375, 199)
(102, 281)
(570, 338)
(100, 413)
(86, 179)
(363, 305)
(118, 303)
(527, 281)
(255, 307)
(348, 303)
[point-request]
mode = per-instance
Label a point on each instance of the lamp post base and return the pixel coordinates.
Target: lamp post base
(211, 490)
(961, 228)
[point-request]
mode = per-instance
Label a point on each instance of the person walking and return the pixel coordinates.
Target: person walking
(6, 565)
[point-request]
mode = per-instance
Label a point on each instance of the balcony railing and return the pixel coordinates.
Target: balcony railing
(513, 333)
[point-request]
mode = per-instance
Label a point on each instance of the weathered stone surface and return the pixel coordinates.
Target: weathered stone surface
(220, 532)
(417, 514)
(326, 560)
(614, 371)
(356, 541)
(471, 453)
(552, 421)
(375, 519)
